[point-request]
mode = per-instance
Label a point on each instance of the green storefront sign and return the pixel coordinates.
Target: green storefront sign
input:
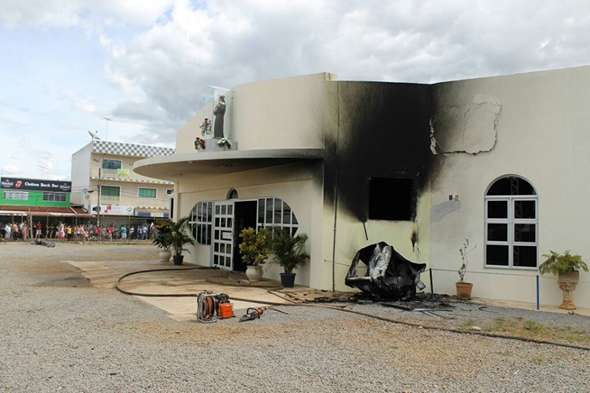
(34, 192)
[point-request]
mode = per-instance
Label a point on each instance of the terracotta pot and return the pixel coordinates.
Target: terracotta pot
(254, 273)
(165, 256)
(567, 284)
(464, 290)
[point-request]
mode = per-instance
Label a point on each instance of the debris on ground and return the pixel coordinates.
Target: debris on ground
(430, 305)
(386, 274)
(43, 242)
(310, 295)
(422, 301)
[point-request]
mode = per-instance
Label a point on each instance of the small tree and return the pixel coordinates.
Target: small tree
(179, 237)
(463, 251)
(162, 238)
(289, 250)
(254, 246)
(557, 263)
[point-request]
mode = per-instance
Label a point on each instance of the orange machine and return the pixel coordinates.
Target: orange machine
(225, 310)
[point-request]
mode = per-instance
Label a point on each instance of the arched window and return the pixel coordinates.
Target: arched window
(275, 213)
(232, 194)
(511, 219)
(200, 222)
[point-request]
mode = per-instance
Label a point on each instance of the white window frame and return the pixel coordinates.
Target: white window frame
(147, 188)
(511, 221)
(272, 224)
(53, 195)
(16, 195)
(202, 217)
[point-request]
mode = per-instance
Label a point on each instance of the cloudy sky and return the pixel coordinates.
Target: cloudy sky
(146, 65)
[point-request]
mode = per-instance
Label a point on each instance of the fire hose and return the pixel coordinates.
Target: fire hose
(335, 308)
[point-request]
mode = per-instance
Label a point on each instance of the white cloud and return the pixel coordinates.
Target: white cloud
(182, 47)
(66, 13)
(33, 157)
(228, 42)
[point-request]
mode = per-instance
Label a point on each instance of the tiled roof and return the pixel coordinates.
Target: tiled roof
(129, 149)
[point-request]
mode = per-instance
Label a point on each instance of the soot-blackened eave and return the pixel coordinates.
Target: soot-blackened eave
(384, 131)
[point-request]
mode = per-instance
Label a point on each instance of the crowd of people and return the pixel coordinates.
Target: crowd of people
(61, 231)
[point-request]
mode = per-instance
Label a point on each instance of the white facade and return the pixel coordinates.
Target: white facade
(452, 140)
(534, 126)
(108, 167)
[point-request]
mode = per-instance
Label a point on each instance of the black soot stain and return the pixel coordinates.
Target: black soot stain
(384, 131)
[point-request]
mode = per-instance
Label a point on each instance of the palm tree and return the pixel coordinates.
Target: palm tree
(178, 238)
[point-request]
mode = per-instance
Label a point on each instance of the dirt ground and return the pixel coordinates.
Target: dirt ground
(61, 333)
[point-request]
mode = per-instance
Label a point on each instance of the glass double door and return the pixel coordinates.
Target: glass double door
(223, 235)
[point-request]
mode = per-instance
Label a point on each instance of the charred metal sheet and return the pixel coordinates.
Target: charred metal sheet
(386, 274)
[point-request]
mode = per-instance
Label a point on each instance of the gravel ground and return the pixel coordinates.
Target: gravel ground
(60, 334)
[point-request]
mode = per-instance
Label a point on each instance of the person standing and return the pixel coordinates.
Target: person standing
(123, 231)
(14, 232)
(38, 230)
(7, 231)
(25, 232)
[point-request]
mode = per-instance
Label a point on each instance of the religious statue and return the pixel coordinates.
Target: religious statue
(205, 127)
(219, 113)
(199, 144)
(224, 143)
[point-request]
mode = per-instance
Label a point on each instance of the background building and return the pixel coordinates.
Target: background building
(102, 175)
(46, 201)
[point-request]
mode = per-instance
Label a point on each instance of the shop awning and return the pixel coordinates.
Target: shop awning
(39, 211)
(221, 162)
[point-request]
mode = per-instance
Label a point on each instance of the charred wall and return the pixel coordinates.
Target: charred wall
(383, 131)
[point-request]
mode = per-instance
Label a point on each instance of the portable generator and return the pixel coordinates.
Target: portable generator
(213, 306)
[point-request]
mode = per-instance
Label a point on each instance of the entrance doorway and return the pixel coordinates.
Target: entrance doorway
(245, 216)
(223, 235)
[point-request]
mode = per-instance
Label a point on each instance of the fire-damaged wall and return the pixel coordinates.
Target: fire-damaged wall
(533, 126)
(377, 167)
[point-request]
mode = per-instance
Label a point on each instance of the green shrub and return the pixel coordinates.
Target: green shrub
(254, 246)
(289, 250)
(557, 263)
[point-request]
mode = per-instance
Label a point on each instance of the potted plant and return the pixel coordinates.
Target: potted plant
(254, 251)
(567, 268)
(178, 238)
(463, 288)
(163, 241)
(289, 252)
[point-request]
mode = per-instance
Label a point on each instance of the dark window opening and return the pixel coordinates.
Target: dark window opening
(525, 256)
(497, 255)
(111, 164)
(392, 199)
(232, 194)
(511, 185)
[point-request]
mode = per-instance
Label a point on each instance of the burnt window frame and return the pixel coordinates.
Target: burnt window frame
(411, 216)
(511, 221)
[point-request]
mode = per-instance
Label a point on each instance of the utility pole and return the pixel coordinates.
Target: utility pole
(98, 207)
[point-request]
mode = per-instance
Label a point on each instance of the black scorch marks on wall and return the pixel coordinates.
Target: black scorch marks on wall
(384, 131)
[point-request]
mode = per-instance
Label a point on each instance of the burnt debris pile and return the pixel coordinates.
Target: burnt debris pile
(382, 273)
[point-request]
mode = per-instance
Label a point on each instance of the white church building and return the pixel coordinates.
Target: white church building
(502, 161)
